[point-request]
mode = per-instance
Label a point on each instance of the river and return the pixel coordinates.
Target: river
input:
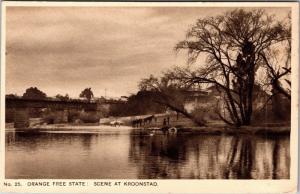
(123, 154)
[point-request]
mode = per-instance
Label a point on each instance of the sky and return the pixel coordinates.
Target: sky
(66, 49)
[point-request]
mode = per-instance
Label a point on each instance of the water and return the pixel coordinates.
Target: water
(122, 154)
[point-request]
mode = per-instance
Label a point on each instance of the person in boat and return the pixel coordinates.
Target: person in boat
(164, 123)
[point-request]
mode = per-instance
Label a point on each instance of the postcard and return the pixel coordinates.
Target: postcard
(149, 97)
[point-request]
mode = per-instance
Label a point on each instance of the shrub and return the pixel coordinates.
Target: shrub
(200, 114)
(49, 118)
(89, 117)
(73, 115)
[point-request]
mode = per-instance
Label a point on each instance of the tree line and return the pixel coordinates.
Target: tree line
(35, 93)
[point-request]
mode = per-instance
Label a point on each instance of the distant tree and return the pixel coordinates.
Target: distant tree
(34, 93)
(87, 93)
(11, 96)
(61, 97)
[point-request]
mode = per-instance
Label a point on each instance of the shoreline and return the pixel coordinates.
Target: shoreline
(252, 130)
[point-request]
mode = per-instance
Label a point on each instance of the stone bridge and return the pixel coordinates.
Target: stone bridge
(17, 110)
(20, 103)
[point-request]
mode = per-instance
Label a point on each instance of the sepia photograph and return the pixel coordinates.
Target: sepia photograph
(148, 92)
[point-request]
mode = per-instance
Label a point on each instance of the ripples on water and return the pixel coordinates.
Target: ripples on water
(122, 154)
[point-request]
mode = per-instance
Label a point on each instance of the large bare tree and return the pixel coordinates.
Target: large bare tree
(234, 46)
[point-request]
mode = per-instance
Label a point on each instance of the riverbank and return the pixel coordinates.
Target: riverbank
(221, 129)
(70, 127)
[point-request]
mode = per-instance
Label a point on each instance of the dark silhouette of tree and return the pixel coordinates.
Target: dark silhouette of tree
(233, 45)
(171, 93)
(62, 98)
(34, 93)
(11, 96)
(87, 93)
(141, 103)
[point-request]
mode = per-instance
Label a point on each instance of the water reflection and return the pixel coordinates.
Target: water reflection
(33, 141)
(67, 156)
(211, 156)
(125, 155)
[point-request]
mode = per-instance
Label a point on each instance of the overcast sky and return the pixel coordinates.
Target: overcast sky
(64, 50)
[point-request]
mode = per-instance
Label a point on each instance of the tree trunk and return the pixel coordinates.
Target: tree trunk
(250, 87)
(183, 112)
(276, 85)
(248, 66)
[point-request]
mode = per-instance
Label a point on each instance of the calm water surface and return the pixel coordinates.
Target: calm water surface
(122, 153)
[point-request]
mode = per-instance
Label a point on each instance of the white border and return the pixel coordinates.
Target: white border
(182, 185)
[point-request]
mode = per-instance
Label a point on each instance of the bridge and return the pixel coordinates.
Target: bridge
(19, 110)
(20, 103)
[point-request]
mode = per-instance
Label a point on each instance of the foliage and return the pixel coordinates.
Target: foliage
(11, 96)
(73, 115)
(87, 93)
(144, 102)
(171, 93)
(62, 98)
(34, 93)
(50, 117)
(89, 117)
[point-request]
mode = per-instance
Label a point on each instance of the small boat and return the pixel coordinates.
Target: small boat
(172, 130)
